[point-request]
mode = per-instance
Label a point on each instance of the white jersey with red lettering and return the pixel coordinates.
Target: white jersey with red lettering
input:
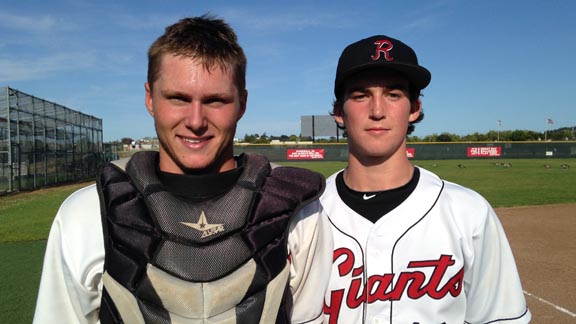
(441, 256)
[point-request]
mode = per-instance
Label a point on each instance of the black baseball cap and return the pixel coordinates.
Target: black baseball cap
(380, 52)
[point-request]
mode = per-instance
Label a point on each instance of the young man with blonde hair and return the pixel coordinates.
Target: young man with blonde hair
(192, 233)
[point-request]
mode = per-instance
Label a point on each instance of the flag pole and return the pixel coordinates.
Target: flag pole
(548, 122)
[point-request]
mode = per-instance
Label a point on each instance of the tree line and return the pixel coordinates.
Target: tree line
(560, 134)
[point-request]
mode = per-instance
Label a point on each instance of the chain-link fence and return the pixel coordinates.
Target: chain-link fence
(43, 143)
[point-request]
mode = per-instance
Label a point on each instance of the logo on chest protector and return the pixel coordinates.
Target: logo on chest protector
(203, 226)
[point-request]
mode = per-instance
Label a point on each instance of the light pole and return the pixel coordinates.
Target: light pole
(499, 124)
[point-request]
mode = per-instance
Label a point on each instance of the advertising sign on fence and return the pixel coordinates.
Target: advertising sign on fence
(305, 154)
(410, 152)
(485, 151)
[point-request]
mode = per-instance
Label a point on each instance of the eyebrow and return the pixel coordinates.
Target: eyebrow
(183, 94)
(172, 93)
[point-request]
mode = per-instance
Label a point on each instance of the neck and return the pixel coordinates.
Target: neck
(369, 175)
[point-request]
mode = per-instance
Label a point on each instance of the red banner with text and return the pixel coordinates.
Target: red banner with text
(485, 151)
(305, 154)
(410, 152)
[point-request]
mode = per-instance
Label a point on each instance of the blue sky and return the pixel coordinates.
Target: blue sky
(493, 60)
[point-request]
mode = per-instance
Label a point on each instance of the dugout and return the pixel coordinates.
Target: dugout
(43, 143)
(420, 151)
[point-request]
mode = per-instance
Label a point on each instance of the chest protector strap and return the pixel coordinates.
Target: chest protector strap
(222, 260)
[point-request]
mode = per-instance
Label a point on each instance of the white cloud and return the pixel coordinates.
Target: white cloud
(30, 23)
(43, 67)
(155, 22)
(285, 19)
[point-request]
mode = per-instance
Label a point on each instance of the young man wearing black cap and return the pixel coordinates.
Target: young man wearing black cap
(409, 247)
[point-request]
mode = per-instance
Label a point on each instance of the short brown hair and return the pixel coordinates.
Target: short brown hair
(205, 38)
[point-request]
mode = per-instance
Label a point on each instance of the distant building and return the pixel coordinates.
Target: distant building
(146, 143)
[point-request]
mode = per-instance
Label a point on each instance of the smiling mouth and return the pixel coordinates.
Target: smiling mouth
(194, 141)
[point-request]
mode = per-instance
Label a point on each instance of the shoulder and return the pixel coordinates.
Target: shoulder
(309, 223)
(465, 198)
(302, 184)
(296, 174)
(81, 199)
(310, 211)
(332, 177)
(453, 191)
(77, 233)
(331, 190)
(464, 204)
(80, 210)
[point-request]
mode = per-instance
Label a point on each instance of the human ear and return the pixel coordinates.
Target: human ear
(338, 113)
(243, 104)
(415, 110)
(148, 99)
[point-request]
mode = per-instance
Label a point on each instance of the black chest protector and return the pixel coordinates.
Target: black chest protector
(223, 260)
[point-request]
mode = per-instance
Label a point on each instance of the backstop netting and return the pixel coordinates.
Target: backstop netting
(43, 143)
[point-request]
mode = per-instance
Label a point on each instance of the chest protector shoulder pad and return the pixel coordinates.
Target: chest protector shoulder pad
(223, 260)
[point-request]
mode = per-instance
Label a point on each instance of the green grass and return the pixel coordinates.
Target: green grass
(326, 168)
(25, 218)
(20, 276)
(526, 182)
(25, 221)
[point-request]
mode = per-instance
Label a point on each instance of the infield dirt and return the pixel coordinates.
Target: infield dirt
(543, 240)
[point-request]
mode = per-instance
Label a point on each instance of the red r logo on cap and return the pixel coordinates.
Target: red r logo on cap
(383, 46)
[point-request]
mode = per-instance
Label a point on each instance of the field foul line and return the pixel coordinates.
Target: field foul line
(562, 309)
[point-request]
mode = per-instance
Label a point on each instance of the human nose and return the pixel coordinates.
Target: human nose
(378, 109)
(196, 118)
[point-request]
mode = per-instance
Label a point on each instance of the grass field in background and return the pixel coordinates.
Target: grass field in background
(525, 182)
(25, 218)
(20, 276)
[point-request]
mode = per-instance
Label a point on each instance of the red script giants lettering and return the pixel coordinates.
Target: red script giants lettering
(409, 284)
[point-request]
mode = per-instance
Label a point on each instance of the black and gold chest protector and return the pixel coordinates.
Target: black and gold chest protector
(222, 260)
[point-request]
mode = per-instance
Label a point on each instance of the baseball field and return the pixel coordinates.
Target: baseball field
(535, 200)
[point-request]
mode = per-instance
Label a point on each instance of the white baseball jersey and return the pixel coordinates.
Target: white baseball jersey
(439, 257)
(71, 283)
